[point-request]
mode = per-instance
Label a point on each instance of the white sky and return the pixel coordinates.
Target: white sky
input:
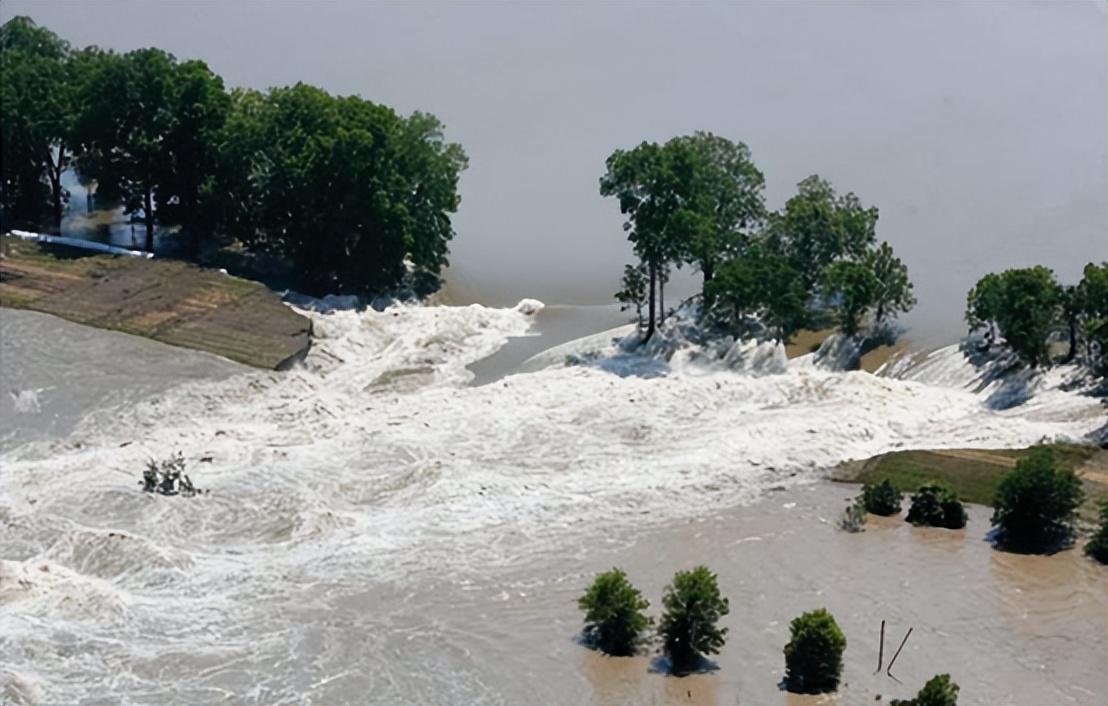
(979, 129)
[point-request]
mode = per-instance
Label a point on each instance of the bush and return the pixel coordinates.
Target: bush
(937, 506)
(614, 618)
(1097, 547)
(814, 655)
(693, 606)
(168, 477)
(939, 690)
(882, 498)
(1035, 503)
(854, 516)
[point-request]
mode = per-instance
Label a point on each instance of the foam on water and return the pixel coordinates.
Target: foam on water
(375, 463)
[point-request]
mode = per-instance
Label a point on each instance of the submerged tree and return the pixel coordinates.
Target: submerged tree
(693, 608)
(614, 613)
(1022, 305)
(1035, 503)
(814, 654)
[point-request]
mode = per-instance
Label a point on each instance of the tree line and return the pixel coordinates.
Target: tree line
(1026, 309)
(352, 196)
(697, 200)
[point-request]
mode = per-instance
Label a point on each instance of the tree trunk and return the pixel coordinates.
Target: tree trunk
(55, 171)
(650, 316)
(148, 208)
(708, 269)
(1073, 340)
(662, 300)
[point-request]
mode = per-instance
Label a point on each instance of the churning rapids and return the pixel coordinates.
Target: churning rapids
(379, 531)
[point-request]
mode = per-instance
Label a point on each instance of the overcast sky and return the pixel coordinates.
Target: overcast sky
(980, 130)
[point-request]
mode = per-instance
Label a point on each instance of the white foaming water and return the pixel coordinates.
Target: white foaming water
(374, 464)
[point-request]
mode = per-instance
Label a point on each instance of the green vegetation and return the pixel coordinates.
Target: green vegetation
(697, 200)
(1035, 504)
(614, 617)
(940, 690)
(1028, 307)
(1097, 547)
(693, 607)
(350, 196)
(854, 516)
(973, 474)
(881, 498)
(814, 655)
(168, 477)
(936, 505)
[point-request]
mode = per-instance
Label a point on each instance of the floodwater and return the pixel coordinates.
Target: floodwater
(380, 531)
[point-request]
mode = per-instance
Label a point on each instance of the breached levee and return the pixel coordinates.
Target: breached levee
(373, 468)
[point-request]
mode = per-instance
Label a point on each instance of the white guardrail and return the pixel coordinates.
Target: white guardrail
(78, 243)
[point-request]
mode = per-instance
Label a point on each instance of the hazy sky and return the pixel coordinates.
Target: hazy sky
(979, 129)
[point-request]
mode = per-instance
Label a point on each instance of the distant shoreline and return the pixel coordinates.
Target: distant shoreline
(166, 300)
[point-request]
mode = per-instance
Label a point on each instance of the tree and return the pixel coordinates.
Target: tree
(882, 498)
(760, 283)
(1092, 316)
(614, 617)
(37, 92)
(1097, 547)
(633, 292)
(853, 287)
(937, 506)
(693, 606)
(814, 654)
(893, 291)
(717, 197)
(125, 126)
(940, 690)
(818, 227)
(1023, 305)
(1035, 503)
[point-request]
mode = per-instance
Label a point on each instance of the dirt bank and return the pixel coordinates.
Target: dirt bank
(169, 301)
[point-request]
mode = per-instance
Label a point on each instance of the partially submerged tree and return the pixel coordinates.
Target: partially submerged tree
(764, 285)
(940, 690)
(881, 498)
(168, 477)
(693, 608)
(614, 613)
(936, 505)
(633, 292)
(1035, 503)
(814, 655)
(1023, 305)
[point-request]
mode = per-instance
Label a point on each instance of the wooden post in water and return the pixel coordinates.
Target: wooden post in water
(881, 648)
(889, 671)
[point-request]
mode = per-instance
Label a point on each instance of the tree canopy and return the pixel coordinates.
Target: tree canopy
(352, 196)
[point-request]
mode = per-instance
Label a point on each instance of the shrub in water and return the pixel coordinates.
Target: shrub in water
(854, 516)
(614, 617)
(937, 506)
(1097, 547)
(814, 655)
(168, 477)
(882, 498)
(688, 627)
(940, 690)
(1035, 503)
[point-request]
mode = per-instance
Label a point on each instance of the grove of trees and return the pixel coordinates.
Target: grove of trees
(1026, 309)
(697, 200)
(350, 195)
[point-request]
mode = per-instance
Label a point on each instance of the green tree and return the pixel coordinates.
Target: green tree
(937, 506)
(693, 607)
(1097, 547)
(893, 290)
(818, 227)
(853, 288)
(1092, 317)
(125, 124)
(1023, 305)
(633, 292)
(760, 283)
(717, 197)
(614, 617)
(1035, 503)
(814, 655)
(37, 91)
(940, 690)
(881, 498)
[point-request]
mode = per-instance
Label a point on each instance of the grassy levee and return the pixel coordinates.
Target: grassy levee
(167, 300)
(975, 474)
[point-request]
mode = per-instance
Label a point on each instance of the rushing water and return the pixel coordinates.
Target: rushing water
(378, 530)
